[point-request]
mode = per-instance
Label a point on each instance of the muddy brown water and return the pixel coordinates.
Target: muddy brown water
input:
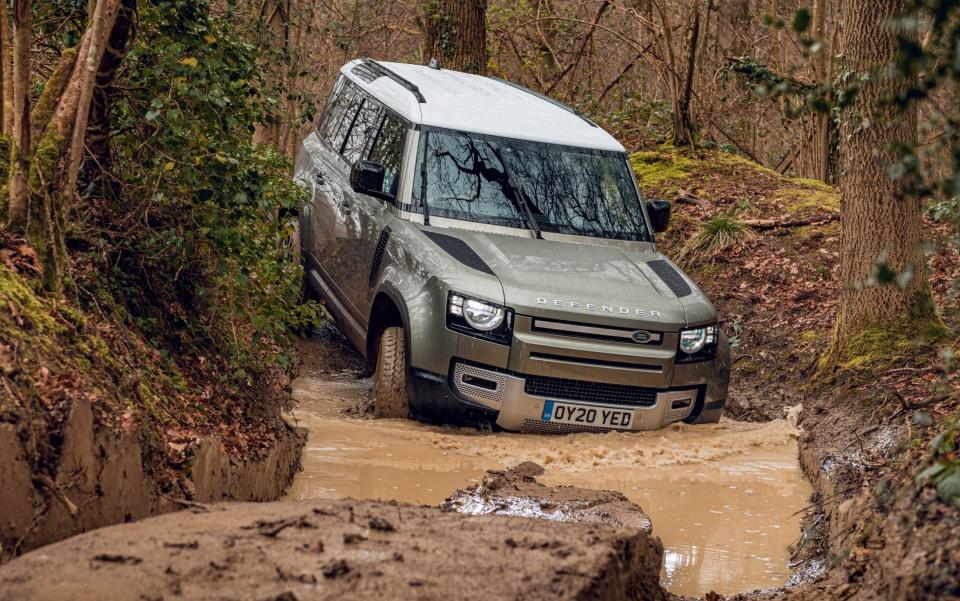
(724, 499)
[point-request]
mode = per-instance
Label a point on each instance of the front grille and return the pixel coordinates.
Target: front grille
(594, 392)
(596, 332)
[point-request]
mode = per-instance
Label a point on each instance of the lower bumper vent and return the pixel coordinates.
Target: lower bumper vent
(594, 392)
(535, 426)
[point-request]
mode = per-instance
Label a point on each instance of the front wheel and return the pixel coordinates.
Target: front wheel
(390, 397)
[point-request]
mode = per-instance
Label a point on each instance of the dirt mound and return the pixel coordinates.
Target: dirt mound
(516, 492)
(348, 550)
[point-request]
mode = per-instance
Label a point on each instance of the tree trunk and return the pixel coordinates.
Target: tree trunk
(682, 123)
(42, 180)
(456, 34)
(102, 20)
(880, 220)
(276, 16)
(6, 73)
(98, 128)
(19, 196)
(822, 146)
(69, 106)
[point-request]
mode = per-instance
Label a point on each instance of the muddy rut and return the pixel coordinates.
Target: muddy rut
(725, 499)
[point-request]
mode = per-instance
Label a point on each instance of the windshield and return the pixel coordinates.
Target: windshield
(569, 190)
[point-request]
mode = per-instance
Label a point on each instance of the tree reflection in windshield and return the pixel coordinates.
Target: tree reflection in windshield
(570, 190)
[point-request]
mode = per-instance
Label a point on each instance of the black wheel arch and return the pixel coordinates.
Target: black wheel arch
(388, 310)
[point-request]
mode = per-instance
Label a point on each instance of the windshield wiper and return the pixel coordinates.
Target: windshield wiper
(520, 197)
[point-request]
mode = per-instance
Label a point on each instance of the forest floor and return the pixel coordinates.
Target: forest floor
(873, 529)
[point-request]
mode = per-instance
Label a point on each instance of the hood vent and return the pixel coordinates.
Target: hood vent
(671, 277)
(459, 250)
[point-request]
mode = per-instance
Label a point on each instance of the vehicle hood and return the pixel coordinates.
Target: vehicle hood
(605, 284)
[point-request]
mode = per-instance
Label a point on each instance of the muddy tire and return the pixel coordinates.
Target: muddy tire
(709, 417)
(390, 397)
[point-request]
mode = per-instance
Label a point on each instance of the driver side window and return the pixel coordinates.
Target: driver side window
(388, 151)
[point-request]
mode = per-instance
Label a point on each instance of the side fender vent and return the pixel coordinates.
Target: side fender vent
(671, 277)
(378, 255)
(459, 250)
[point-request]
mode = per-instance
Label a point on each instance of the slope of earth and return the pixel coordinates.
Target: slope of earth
(354, 550)
(99, 426)
(765, 248)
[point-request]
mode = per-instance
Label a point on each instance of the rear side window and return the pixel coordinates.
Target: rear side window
(388, 151)
(341, 109)
(363, 130)
(332, 109)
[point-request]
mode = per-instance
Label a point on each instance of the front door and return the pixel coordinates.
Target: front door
(351, 266)
(372, 215)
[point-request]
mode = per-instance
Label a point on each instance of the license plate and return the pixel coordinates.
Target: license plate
(587, 415)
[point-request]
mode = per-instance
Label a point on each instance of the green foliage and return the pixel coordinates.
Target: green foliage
(210, 209)
(801, 20)
(715, 236)
(944, 473)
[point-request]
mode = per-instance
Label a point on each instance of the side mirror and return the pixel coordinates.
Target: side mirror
(659, 212)
(366, 177)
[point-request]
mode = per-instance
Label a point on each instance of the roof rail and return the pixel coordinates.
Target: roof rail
(380, 70)
(552, 101)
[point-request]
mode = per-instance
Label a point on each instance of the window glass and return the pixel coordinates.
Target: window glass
(388, 151)
(342, 113)
(494, 180)
(363, 130)
(333, 111)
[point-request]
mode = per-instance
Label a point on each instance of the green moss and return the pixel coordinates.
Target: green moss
(814, 184)
(809, 336)
(52, 91)
(808, 196)
(728, 160)
(25, 315)
(654, 168)
(50, 150)
(877, 347)
(874, 347)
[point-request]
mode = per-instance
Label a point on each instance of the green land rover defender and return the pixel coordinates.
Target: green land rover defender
(487, 249)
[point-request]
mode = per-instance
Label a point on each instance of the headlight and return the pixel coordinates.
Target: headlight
(482, 316)
(479, 318)
(698, 344)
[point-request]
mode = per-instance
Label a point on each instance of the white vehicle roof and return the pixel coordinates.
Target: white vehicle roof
(478, 104)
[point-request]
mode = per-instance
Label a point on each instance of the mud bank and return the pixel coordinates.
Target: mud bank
(357, 550)
(100, 480)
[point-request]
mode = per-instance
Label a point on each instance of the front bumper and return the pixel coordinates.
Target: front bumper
(520, 400)
(458, 378)
(481, 394)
